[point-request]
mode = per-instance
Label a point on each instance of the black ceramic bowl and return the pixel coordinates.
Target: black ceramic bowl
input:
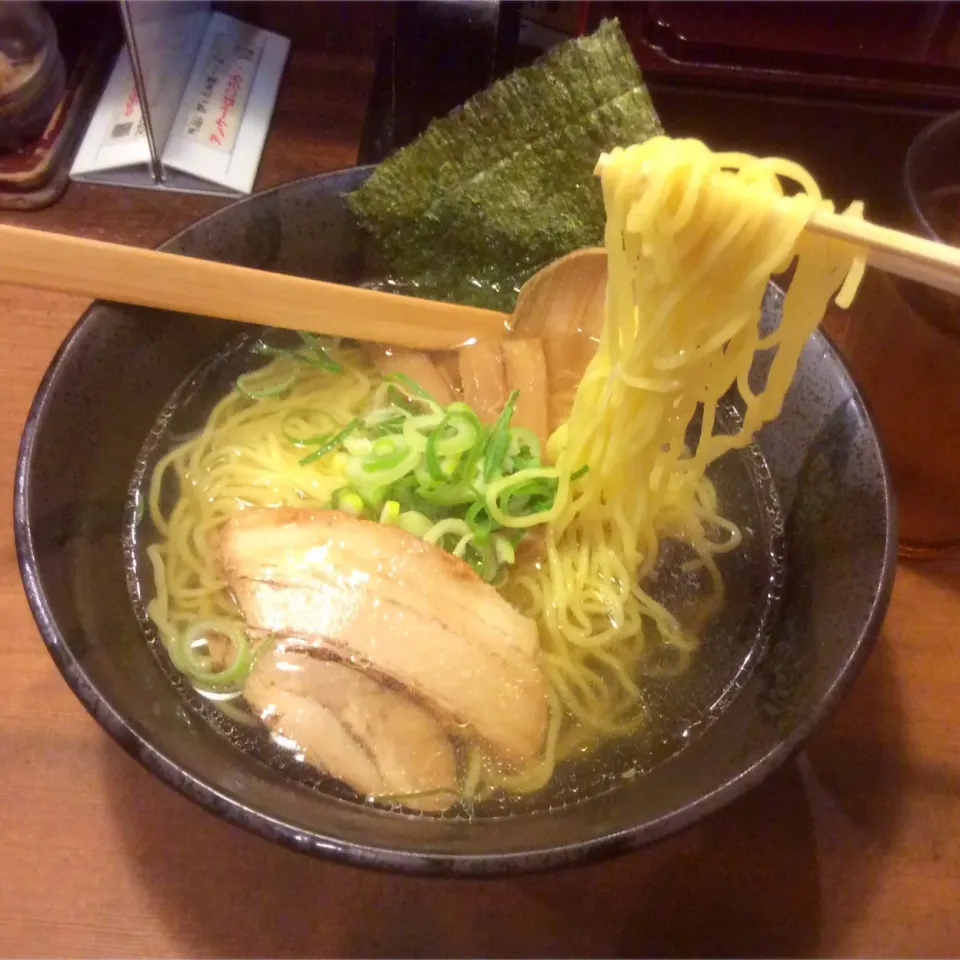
(100, 398)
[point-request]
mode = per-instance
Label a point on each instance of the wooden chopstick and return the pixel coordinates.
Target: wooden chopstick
(916, 258)
(110, 271)
(149, 278)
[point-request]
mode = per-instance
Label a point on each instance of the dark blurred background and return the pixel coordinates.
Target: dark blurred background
(841, 87)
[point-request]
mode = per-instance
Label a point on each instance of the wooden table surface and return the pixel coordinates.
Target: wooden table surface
(854, 849)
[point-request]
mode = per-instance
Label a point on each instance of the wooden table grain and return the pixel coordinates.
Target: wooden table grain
(853, 849)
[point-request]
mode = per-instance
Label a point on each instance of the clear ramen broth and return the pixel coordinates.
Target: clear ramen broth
(675, 708)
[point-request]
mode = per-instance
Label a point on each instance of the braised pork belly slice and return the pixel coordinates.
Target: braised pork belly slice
(372, 738)
(483, 378)
(526, 371)
(434, 378)
(407, 610)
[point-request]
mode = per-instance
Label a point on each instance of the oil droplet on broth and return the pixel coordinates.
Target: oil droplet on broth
(677, 709)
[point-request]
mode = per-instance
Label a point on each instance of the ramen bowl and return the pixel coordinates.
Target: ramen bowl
(834, 529)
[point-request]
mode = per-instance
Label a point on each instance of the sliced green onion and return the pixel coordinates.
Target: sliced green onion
(442, 454)
(316, 353)
(414, 522)
(497, 444)
(385, 453)
(390, 512)
(503, 549)
(479, 521)
(535, 490)
(415, 428)
(462, 409)
(446, 494)
(199, 667)
(348, 500)
(357, 446)
(319, 438)
(461, 548)
(412, 386)
(422, 475)
(444, 528)
(444, 450)
(379, 475)
(374, 496)
(483, 561)
(467, 431)
(533, 483)
(385, 420)
(269, 381)
(331, 444)
(520, 439)
(581, 472)
(352, 503)
(404, 492)
(434, 466)
(467, 471)
(438, 473)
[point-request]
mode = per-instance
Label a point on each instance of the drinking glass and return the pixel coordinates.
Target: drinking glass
(902, 344)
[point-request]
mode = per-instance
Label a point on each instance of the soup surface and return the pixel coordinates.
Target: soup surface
(676, 704)
(512, 576)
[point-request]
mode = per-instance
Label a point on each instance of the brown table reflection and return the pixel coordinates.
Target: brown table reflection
(852, 849)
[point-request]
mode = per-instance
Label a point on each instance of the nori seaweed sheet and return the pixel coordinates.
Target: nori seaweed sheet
(504, 184)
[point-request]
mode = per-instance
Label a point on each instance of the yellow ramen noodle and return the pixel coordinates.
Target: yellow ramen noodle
(692, 239)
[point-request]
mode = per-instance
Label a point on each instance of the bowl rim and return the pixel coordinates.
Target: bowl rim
(206, 795)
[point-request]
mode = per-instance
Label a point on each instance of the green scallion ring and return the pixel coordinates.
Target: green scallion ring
(412, 521)
(445, 528)
(520, 481)
(200, 669)
(271, 380)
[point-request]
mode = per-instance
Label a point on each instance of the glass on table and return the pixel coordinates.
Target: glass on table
(903, 348)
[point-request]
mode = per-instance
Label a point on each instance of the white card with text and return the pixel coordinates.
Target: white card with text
(217, 135)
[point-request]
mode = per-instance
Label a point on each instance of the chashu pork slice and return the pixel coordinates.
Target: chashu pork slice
(373, 738)
(417, 365)
(385, 599)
